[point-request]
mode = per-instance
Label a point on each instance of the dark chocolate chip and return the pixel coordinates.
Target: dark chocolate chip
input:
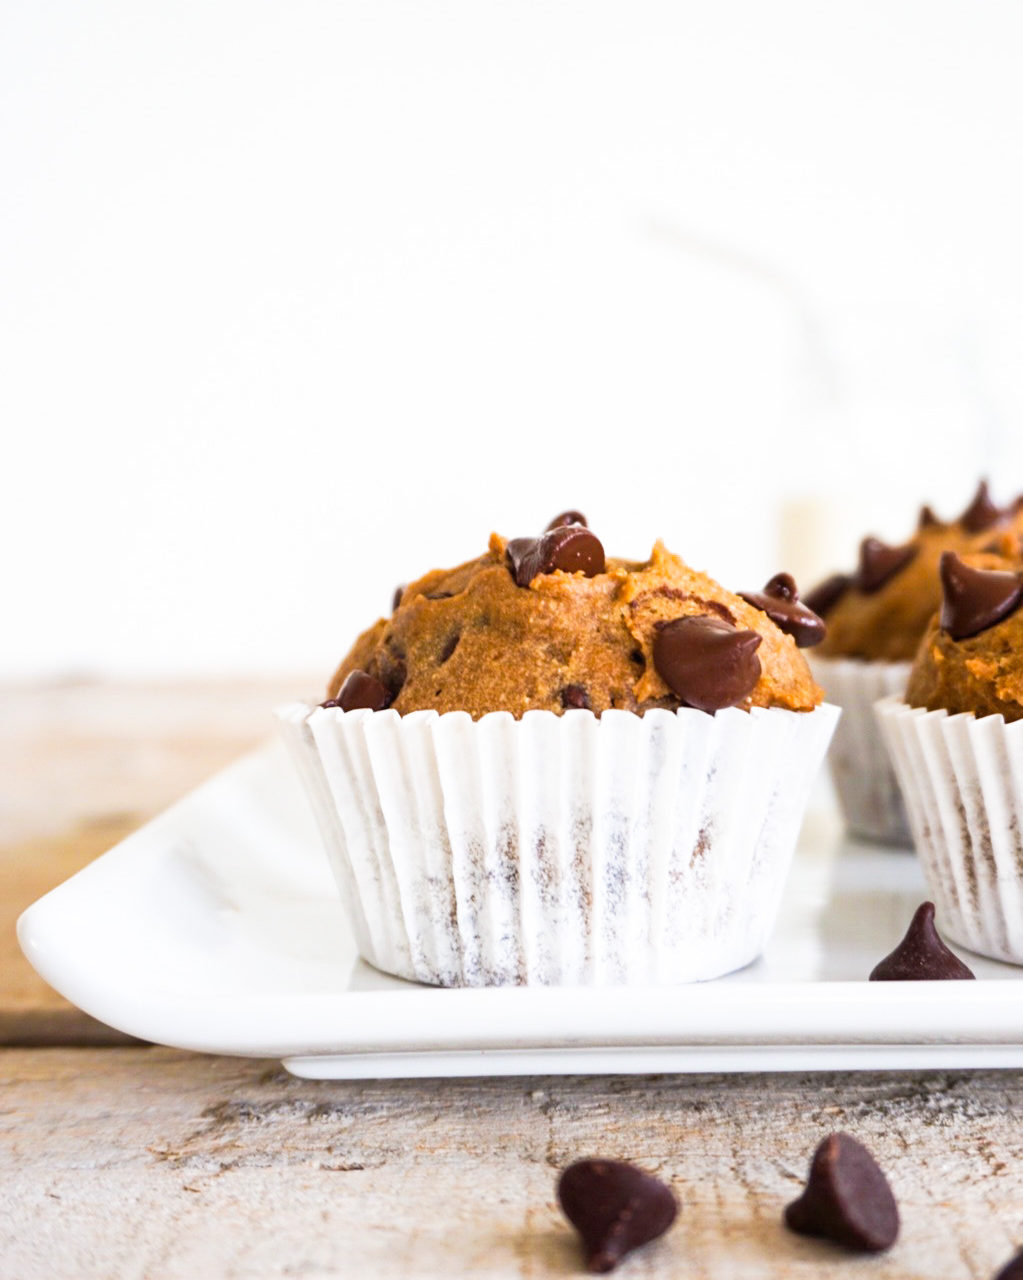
(399, 591)
(568, 547)
(780, 601)
(1013, 1269)
(331, 702)
(921, 956)
(847, 1198)
(440, 595)
(982, 512)
(615, 1207)
(575, 696)
(975, 599)
(363, 690)
(706, 662)
(823, 598)
(880, 562)
(567, 517)
(391, 669)
(450, 645)
(927, 518)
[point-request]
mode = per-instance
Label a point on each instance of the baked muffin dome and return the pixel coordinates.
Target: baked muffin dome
(880, 612)
(550, 624)
(971, 657)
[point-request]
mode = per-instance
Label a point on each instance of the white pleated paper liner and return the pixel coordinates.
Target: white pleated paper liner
(963, 782)
(868, 791)
(559, 850)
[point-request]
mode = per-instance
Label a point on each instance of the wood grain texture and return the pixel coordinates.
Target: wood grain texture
(150, 1162)
(81, 767)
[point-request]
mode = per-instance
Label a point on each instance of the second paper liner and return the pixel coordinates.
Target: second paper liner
(963, 782)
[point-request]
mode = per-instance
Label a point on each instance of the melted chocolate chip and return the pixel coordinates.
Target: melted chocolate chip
(879, 562)
(450, 645)
(927, 518)
(567, 517)
(921, 955)
(1013, 1269)
(615, 1207)
(391, 669)
(399, 591)
(975, 599)
(363, 690)
(982, 512)
(847, 1198)
(575, 696)
(568, 547)
(823, 598)
(439, 595)
(780, 601)
(706, 662)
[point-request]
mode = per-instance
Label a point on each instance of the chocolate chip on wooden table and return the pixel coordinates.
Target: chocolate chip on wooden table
(921, 955)
(575, 697)
(827, 594)
(982, 512)
(361, 690)
(572, 548)
(847, 1198)
(780, 601)
(1013, 1269)
(567, 517)
(975, 599)
(879, 562)
(615, 1207)
(706, 662)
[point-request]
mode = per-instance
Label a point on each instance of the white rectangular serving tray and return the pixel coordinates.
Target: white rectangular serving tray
(218, 927)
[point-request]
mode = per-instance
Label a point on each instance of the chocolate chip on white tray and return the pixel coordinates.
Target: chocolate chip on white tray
(921, 955)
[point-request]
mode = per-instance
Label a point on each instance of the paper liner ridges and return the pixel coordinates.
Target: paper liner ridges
(963, 782)
(865, 783)
(559, 849)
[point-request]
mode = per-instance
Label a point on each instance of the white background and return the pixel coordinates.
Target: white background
(298, 300)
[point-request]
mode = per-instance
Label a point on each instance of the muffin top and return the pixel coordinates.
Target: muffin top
(880, 612)
(550, 624)
(971, 657)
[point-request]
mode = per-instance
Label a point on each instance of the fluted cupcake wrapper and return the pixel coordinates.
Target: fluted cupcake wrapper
(865, 782)
(559, 849)
(963, 782)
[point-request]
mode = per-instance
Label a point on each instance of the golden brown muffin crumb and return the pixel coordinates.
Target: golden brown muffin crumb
(981, 671)
(470, 639)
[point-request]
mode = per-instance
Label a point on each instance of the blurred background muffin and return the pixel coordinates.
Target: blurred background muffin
(956, 740)
(876, 617)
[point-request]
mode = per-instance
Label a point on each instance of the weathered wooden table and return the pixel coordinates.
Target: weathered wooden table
(127, 1160)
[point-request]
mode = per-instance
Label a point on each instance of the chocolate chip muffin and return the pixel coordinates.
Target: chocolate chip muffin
(971, 657)
(548, 767)
(875, 620)
(550, 624)
(880, 612)
(956, 741)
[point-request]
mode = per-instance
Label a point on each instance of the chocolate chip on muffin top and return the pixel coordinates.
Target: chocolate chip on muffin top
(971, 657)
(880, 612)
(551, 623)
